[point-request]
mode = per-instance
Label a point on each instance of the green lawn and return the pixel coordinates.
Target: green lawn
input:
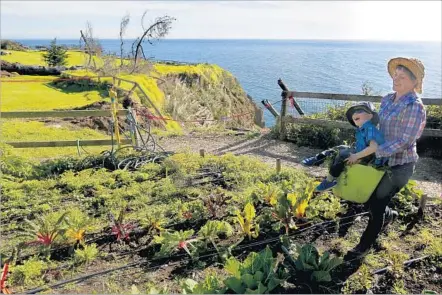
(75, 58)
(20, 130)
(39, 96)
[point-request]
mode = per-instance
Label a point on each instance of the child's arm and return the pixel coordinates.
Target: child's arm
(371, 149)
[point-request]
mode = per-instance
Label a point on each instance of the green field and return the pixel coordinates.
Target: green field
(75, 58)
(40, 96)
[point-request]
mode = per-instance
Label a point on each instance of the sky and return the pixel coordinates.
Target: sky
(347, 20)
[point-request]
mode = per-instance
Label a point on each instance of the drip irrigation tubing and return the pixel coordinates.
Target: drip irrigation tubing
(138, 263)
(140, 230)
(406, 263)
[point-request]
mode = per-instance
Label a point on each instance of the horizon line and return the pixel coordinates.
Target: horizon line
(239, 39)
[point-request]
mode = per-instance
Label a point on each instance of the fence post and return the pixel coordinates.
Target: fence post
(282, 124)
(132, 116)
(202, 153)
(422, 204)
(278, 165)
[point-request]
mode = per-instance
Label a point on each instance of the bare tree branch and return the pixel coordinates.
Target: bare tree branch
(123, 25)
(157, 30)
(92, 45)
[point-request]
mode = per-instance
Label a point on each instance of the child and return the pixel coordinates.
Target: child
(364, 117)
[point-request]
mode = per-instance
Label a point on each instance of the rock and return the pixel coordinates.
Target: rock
(5, 52)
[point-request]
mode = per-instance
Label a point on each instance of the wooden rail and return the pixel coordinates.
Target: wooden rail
(61, 114)
(336, 96)
(353, 97)
(346, 125)
(66, 143)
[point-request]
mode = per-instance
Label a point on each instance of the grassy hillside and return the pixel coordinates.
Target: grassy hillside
(20, 130)
(182, 92)
(75, 58)
(40, 96)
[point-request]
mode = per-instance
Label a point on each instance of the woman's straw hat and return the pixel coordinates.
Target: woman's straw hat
(413, 64)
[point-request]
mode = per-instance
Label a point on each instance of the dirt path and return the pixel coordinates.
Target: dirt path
(428, 171)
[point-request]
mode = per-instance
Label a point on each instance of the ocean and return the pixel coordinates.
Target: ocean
(303, 65)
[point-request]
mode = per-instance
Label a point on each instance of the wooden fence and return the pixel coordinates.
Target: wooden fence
(64, 114)
(301, 119)
(83, 113)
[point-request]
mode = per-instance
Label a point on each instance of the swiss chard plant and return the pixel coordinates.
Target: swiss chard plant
(299, 200)
(316, 268)
(175, 241)
(77, 224)
(259, 273)
(267, 193)
(212, 231)
(153, 221)
(120, 229)
(247, 222)
(45, 230)
(282, 211)
(215, 204)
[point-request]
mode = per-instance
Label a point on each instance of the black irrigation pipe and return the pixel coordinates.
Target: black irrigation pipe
(268, 241)
(406, 263)
(141, 231)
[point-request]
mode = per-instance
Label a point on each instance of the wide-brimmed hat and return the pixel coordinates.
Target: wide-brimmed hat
(365, 106)
(413, 64)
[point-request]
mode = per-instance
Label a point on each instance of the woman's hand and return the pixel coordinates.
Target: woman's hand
(352, 159)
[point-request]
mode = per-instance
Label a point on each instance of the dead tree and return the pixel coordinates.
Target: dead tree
(123, 24)
(160, 28)
(91, 44)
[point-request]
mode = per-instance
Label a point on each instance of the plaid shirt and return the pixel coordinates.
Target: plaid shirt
(402, 124)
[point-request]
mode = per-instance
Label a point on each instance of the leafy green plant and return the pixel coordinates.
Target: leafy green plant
(212, 230)
(210, 285)
(193, 210)
(325, 205)
(246, 221)
(215, 204)
(299, 200)
(153, 221)
(268, 193)
(86, 255)
(120, 229)
(408, 196)
(360, 281)
(29, 273)
(282, 211)
(171, 242)
(78, 223)
(259, 273)
(316, 267)
(45, 229)
(399, 287)
(396, 261)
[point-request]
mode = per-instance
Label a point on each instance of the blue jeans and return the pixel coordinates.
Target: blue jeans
(340, 153)
(390, 184)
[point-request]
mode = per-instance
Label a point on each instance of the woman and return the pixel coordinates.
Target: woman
(402, 120)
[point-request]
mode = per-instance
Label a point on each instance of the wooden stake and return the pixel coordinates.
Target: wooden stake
(202, 153)
(423, 203)
(278, 165)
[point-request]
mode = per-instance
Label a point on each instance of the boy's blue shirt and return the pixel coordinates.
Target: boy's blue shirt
(366, 133)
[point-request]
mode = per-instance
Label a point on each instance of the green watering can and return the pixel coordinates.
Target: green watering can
(357, 183)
